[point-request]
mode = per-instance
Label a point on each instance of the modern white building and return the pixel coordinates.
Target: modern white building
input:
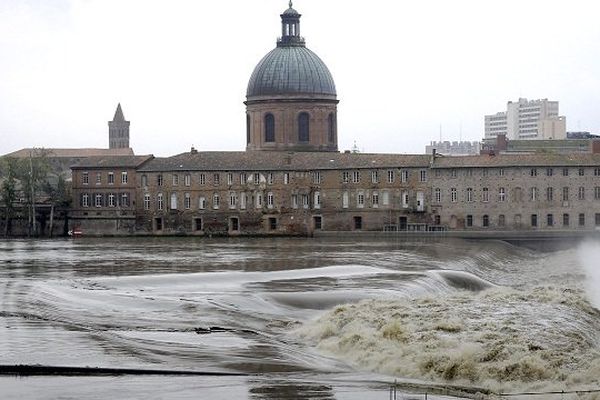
(527, 119)
(462, 148)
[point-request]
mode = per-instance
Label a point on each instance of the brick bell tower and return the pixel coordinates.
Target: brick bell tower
(118, 131)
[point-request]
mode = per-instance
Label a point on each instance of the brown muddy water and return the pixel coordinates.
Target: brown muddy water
(299, 318)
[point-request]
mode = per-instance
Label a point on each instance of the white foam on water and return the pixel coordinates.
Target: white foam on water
(503, 339)
(589, 256)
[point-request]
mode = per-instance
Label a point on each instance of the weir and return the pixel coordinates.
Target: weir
(448, 313)
(46, 370)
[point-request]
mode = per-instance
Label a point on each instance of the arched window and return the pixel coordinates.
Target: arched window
(269, 128)
(248, 128)
(331, 128)
(303, 127)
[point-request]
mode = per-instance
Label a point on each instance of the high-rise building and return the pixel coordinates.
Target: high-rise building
(527, 119)
(118, 131)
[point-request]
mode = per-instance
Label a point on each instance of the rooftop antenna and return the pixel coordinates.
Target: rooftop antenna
(460, 132)
(440, 133)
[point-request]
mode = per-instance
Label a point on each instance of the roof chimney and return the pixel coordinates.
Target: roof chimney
(433, 154)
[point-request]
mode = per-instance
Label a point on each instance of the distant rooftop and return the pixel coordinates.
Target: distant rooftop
(582, 135)
(72, 153)
(281, 161)
(519, 160)
(113, 162)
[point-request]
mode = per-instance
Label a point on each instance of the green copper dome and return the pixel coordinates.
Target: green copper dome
(291, 68)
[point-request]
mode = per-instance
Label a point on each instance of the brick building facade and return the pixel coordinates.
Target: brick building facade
(288, 193)
(237, 193)
(104, 194)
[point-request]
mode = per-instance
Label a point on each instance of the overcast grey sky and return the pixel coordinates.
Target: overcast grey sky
(180, 67)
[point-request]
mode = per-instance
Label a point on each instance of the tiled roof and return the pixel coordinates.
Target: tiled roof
(112, 162)
(72, 153)
(519, 160)
(307, 161)
(272, 161)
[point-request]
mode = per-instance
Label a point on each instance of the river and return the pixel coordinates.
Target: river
(298, 318)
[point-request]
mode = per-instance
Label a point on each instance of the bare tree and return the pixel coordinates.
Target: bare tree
(9, 168)
(59, 198)
(33, 176)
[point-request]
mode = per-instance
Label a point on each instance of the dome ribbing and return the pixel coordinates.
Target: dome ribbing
(291, 70)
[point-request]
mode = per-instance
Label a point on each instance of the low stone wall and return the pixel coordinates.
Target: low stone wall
(98, 226)
(19, 226)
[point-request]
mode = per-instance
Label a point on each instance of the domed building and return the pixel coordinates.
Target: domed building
(291, 98)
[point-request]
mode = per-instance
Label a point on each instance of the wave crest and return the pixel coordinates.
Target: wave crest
(540, 339)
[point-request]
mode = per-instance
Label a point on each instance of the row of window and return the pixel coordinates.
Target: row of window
(375, 199)
(303, 128)
(244, 179)
(355, 176)
(534, 220)
(245, 200)
(502, 195)
(484, 172)
(564, 171)
(347, 176)
(233, 224)
(104, 200)
(98, 177)
(235, 200)
(256, 178)
(486, 222)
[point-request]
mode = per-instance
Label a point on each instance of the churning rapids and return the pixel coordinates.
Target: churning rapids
(298, 318)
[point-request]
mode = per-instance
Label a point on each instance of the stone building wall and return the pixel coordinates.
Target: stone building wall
(302, 201)
(351, 192)
(525, 190)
